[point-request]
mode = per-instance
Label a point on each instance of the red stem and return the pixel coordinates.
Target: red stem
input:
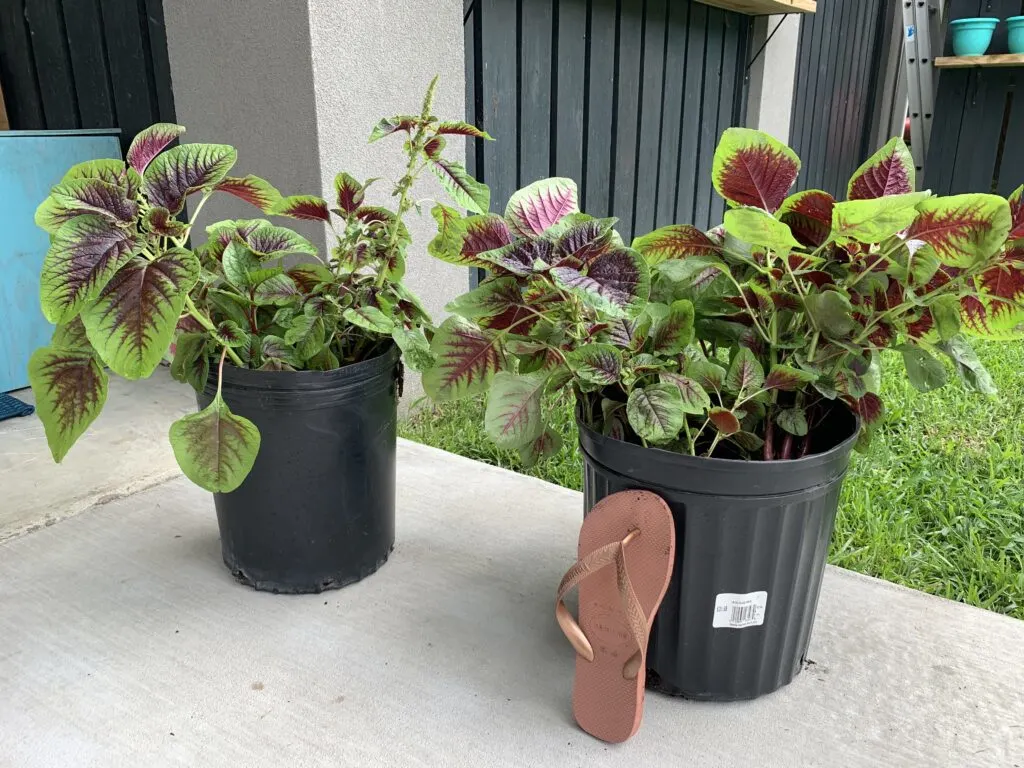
(769, 438)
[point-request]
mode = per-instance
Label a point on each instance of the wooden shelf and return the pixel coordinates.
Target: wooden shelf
(763, 7)
(995, 60)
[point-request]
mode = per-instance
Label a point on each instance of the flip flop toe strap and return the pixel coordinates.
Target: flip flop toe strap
(610, 554)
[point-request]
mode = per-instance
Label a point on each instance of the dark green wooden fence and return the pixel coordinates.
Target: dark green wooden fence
(627, 97)
(85, 64)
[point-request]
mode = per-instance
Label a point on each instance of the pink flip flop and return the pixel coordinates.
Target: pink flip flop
(626, 553)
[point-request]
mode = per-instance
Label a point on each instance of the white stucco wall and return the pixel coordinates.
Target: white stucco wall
(771, 97)
(373, 59)
(241, 75)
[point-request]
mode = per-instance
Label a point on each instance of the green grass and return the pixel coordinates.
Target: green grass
(937, 504)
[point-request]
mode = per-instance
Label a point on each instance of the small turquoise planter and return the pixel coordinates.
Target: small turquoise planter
(972, 37)
(1016, 25)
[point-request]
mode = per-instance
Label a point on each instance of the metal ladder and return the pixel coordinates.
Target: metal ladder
(921, 25)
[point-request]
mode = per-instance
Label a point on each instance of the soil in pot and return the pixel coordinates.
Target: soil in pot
(752, 540)
(318, 509)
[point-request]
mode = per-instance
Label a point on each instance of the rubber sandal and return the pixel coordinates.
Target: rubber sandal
(626, 553)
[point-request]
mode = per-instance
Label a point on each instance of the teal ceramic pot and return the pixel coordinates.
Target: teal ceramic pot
(972, 37)
(1016, 25)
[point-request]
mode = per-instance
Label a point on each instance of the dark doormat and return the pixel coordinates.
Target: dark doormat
(11, 407)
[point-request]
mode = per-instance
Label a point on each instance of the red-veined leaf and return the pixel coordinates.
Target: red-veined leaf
(253, 190)
(793, 421)
(484, 233)
(676, 241)
(467, 359)
(745, 373)
(80, 196)
(490, 298)
(150, 142)
(752, 168)
(695, 399)
(787, 378)
(132, 321)
(870, 408)
(523, 257)
(672, 333)
(389, 125)
(305, 207)
(512, 418)
(70, 389)
(544, 447)
(434, 147)
(890, 171)
(185, 169)
(349, 193)
(963, 230)
(619, 282)
(274, 242)
(215, 448)
(85, 253)
(656, 412)
(583, 240)
(160, 221)
(463, 129)
(541, 205)
(808, 215)
(595, 363)
(1016, 202)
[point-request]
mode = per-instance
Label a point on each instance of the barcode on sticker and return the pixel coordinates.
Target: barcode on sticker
(738, 611)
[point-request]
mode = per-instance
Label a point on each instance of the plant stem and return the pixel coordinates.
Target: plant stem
(220, 370)
(208, 325)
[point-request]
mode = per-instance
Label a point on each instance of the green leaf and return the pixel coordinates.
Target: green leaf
(85, 253)
(231, 305)
(389, 125)
(132, 322)
(490, 298)
(467, 359)
(191, 362)
(269, 241)
(832, 313)
(185, 169)
(793, 420)
(946, 313)
(671, 334)
(370, 318)
(451, 231)
(70, 389)
(463, 188)
(924, 371)
(695, 399)
(215, 448)
(279, 289)
(512, 418)
(544, 447)
(709, 375)
(963, 230)
(656, 413)
(229, 334)
(757, 227)
(349, 192)
(745, 373)
(415, 347)
(599, 364)
(276, 348)
(968, 367)
(873, 220)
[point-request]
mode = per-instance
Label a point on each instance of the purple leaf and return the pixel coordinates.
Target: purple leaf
(521, 257)
(70, 388)
(305, 207)
(467, 359)
(725, 421)
(541, 205)
(463, 129)
(890, 171)
(1016, 201)
(150, 142)
(349, 192)
(78, 196)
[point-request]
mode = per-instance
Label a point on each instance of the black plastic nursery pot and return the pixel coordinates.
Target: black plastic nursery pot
(318, 509)
(751, 542)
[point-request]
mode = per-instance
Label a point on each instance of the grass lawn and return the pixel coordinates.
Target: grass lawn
(937, 504)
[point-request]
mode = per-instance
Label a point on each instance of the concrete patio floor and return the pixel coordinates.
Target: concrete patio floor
(125, 642)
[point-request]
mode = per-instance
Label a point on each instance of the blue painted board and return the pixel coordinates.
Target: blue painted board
(30, 163)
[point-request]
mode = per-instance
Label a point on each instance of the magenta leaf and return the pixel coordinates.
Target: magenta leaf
(809, 216)
(185, 169)
(150, 142)
(484, 233)
(541, 205)
(253, 190)
(676, 241)
(84, 255)
(890, 171)
(752, 168)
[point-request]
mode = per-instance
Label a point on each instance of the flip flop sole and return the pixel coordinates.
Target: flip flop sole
(606, 703)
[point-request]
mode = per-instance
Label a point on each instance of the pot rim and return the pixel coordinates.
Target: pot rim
(979, 21)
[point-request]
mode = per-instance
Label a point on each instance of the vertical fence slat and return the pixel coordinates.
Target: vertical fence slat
(53, 63)
(733, 66)
(498, 76)
(627, 85)
(159, 59)
(535, 98)
(600, 140)
(128, 67)
(569, 98)
(1011, 170)
(709, 112)
(671, 113)
(649, 140)
(89, 63)
(17, 70)
(693, 95)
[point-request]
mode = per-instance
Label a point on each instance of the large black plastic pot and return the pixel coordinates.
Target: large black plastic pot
(755, 530)
(318, 509)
